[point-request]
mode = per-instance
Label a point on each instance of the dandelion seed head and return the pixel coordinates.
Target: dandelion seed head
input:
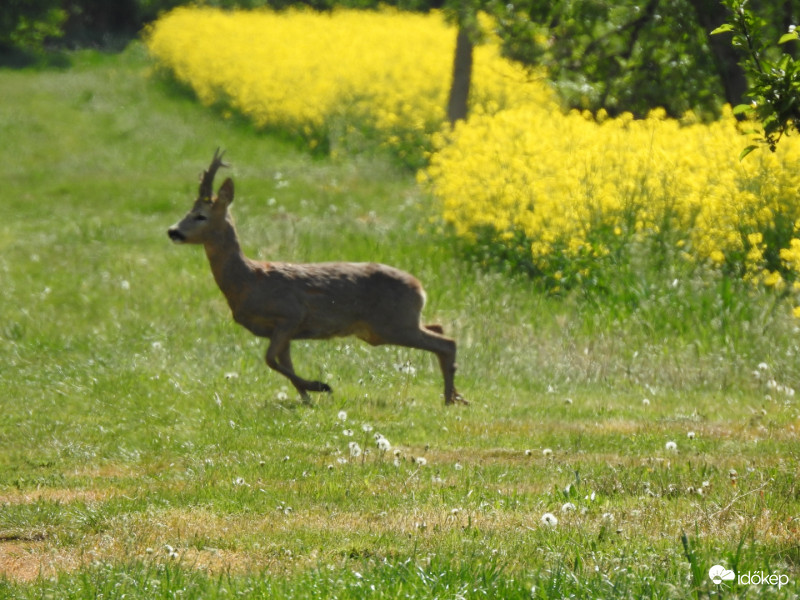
(355, 449)
(671, 446)
(549, 519)
(342, 415)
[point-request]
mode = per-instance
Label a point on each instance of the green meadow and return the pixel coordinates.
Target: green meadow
(614, 447)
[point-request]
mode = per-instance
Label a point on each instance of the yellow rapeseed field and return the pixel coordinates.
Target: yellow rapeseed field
(332, 78)
(567, 191)
(575, 187)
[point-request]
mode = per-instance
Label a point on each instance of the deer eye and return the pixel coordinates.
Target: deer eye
(200, 218)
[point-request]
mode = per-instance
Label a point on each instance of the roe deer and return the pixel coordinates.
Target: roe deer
(284, 301)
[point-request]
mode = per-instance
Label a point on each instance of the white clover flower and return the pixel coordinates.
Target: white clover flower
(549, 519)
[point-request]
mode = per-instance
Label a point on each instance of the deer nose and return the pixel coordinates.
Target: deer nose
(175, 235)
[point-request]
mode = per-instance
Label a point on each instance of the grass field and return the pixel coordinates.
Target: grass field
(146, 451)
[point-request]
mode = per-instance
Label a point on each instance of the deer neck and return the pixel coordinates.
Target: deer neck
(230, 266)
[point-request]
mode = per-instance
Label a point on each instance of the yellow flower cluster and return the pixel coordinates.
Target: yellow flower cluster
(334, 78)
(574, 186)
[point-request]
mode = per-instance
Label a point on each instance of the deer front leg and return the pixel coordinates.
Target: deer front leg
(279, 359)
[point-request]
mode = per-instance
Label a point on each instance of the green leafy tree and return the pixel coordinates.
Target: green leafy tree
(624, 56)
(27, 24)
(774, 74)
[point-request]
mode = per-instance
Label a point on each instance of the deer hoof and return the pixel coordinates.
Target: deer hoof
(457, 398)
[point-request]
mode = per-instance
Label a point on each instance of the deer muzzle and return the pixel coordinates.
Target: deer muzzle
(175, 235)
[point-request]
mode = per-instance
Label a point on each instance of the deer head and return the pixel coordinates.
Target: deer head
(208, 212)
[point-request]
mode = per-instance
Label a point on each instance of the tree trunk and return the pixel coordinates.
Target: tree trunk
(710, 15)
(462, 77)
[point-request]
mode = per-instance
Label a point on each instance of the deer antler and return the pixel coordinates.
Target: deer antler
(207, 180)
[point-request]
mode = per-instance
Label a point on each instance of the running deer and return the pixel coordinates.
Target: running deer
(285, 301)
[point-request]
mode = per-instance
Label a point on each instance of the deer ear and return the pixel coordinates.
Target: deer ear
(225, 193)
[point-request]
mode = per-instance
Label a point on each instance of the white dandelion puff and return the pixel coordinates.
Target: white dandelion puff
(549, 519)
(567, 507)
(342, 415)
(671, 446)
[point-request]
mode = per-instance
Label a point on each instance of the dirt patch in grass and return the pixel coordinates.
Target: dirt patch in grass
(60, 495)
(25, 560)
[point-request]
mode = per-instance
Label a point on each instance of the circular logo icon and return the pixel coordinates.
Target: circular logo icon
(718, 574)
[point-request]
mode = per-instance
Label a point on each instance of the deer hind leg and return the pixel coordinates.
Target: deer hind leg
(431, 338)
(279, 359)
